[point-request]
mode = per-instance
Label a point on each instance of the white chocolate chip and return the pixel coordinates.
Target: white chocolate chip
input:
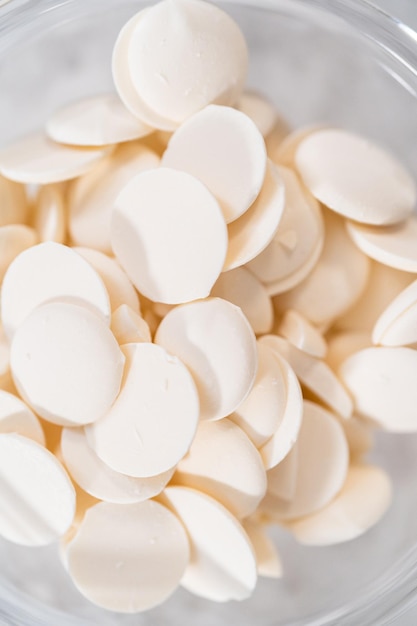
(243, 289)
(355, 178)
(315, 374)
(129, 327)
(151, 425)
(336, 282)
(38, 499)
(320, 476)
(138, 551)
(16, 417)
(223, 149)
(296, 245)
(49, 271)
(263, 410)
(96, 121)
(201, 40)
(216, 342)
(284, 438)
(120, 289)
(223, 564)
(382, 383)
(36, 159)
(302, 334)
(253, 231)
(169, 235)
(267, 557)
(260, 110)
(66, 364)
(240, 485)
(92, 197)
(394, 246)
(362, 502)
(398, 323)
(282, 479)
(98, 479)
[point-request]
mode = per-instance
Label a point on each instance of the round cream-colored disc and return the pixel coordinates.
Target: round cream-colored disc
(394, 246)
(153, 421)
(223, 149)
(267, 557)
(239, 485)
(92, 197)
(282, 479)
(243, 289)
(129, 327)
(36, 159)
(49, 218)
(283, 439)
(364, 499)
(320, 476)
(336, 282)
(299, 238)
(355, 178)
(13, 202)
(223, 564)
(97, 121)
(314, 374)
(200, 39)
(128, 557)
(360, 436)
(260, 110)
(169, 235)
(398, 323)
(118, 285)
(384, 284)
(16, 417)
(123, 80)
(49, 271)
(66, 364)
(382, 383)
(302, 334)
(37, 497)
(98, 479)
(253, 231)
(262, 411)
(216, 342)
(14, 238)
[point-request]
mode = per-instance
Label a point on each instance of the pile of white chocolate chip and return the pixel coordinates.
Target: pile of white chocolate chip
(204, 319)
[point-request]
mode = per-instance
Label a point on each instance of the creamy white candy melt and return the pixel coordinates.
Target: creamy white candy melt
(169, 235)
(138, 551)
(215, 341)
(151, 425)
(38, 499)
(200, 39)
(240, 485)
(223, 148)
(66, 364)
(46, 272)
(355, 178)
(96, 121)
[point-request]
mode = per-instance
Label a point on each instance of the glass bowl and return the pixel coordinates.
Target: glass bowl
(342, 62)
